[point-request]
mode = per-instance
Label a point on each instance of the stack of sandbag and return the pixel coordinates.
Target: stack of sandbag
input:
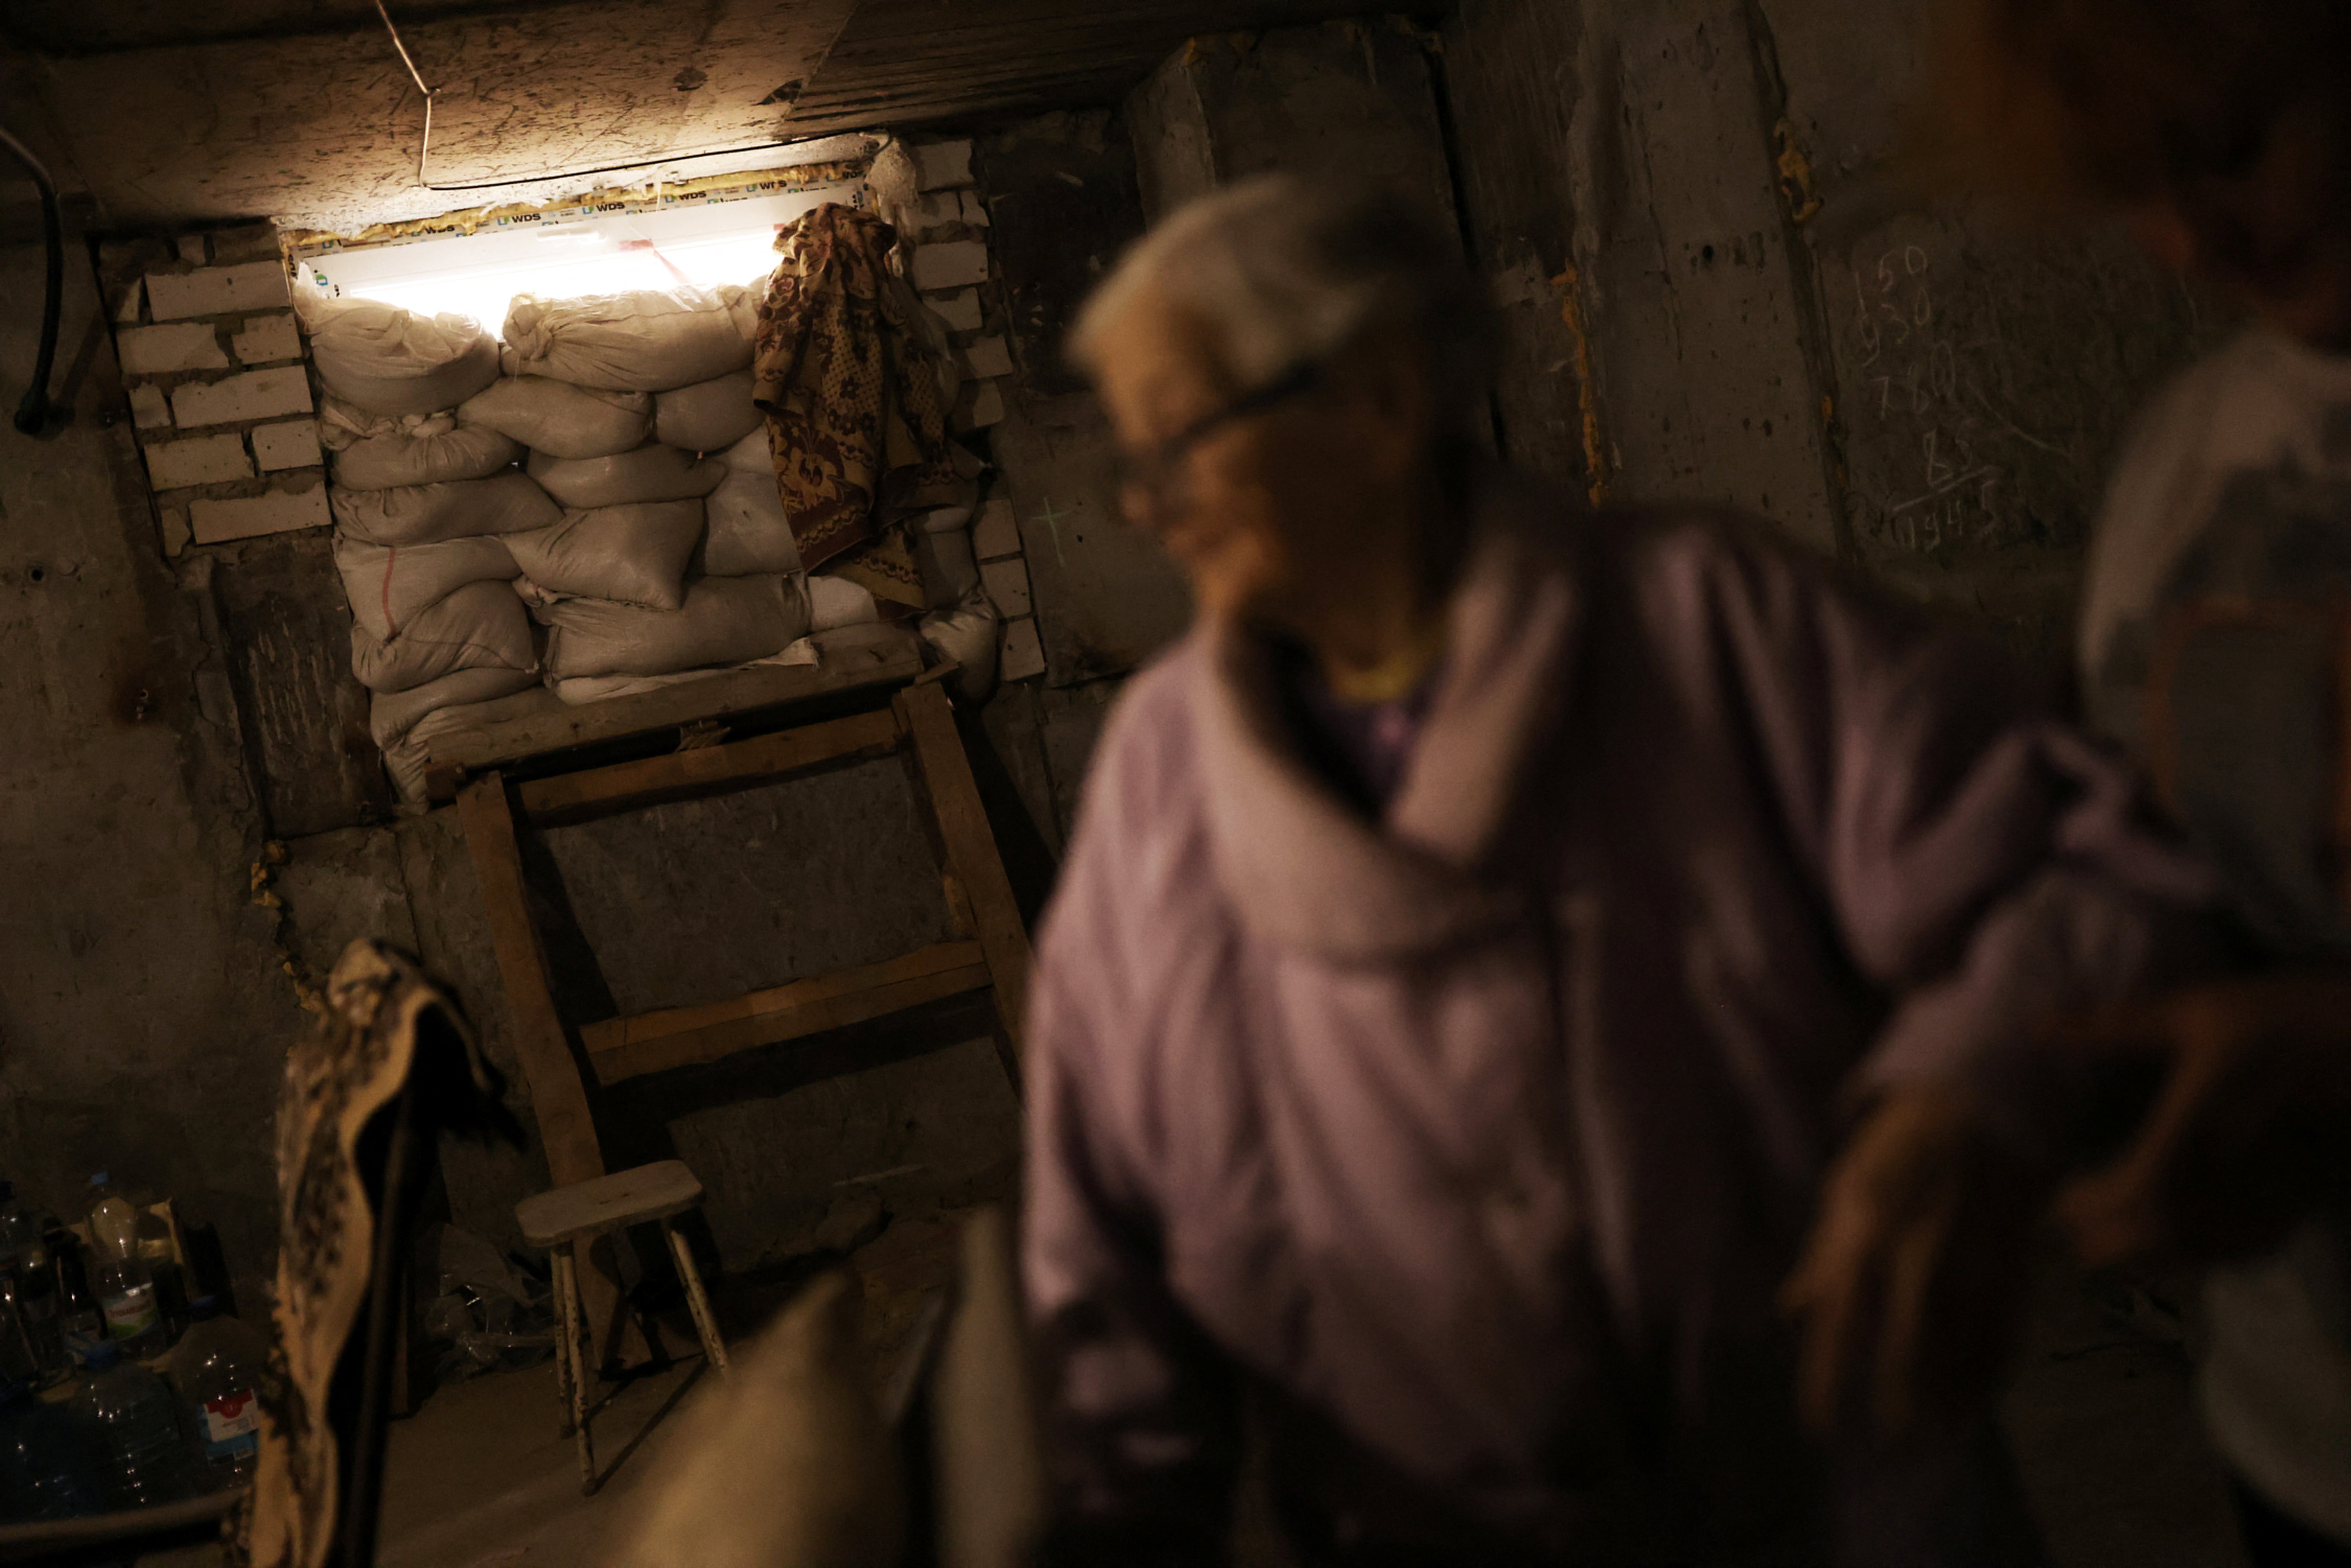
(423, 507)
(671, 557)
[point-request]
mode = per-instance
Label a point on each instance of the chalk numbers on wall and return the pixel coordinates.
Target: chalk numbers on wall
(1909, 376)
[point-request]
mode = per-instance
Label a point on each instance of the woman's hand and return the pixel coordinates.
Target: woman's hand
(1911, 1288)
(2250, 1132)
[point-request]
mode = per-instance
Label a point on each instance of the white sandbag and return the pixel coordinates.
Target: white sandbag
(340, 423)
(652, 473)
(648, 341)
(596, 688)
(837, 602)
(425, 513)
(561, 419)
(389, 585)
(631, 554)
(724, 621)
(424, 456)
(392, 714)
(747, 533)
(709, 416)
(966, 634)
(752, 455)
(389, 360)
(480, 626)
(409, 760)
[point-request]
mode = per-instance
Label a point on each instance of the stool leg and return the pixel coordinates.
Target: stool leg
(567, 1296)
(699, 1305)
(558, 1262)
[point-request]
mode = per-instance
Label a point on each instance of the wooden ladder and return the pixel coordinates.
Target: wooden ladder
(991, 954)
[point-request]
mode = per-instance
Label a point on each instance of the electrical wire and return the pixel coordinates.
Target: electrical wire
(33, 413)
(425, 147)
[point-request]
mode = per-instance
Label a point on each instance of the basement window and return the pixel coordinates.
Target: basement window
(473, 264)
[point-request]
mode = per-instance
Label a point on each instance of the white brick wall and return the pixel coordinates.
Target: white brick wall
(267, 340)
(942, 164)
(217, 291)
(1007, 582)
(981, 405)
(198, 460)
(255, 395)
(959, 311)
(159, 351)
(993, 533)
(149, 406)
(294, 445)
(954, 264)
(947, 261)
(246, 517)
(191, 317)
(989, 357)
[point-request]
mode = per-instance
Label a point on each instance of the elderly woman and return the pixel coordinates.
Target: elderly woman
(1478, 933)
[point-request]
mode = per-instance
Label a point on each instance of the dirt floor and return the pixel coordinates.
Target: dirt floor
(2117, 1469)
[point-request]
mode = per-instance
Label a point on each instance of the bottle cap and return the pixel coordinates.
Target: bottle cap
(204, 1308)
(98, 1179)
(101, 1355)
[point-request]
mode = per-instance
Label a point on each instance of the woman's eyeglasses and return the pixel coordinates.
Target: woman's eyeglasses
(1149, 481)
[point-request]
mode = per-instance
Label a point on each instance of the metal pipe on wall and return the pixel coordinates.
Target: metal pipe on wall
(33, 413)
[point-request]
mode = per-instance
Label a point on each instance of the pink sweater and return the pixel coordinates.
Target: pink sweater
(1476, 1140)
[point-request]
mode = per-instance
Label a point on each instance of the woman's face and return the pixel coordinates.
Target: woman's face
(1255, 509)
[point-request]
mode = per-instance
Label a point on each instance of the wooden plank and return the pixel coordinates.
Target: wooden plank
(679, 1037)
(706, 770)
(567, 1131)
(557, 1095)
(972, 856)
(854, 657)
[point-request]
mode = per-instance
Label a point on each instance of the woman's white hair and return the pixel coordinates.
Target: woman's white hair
(1279, 272)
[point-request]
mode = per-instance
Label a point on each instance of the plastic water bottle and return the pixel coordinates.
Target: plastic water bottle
(38, 1301)
(44, 1463)
(126, 1291)
(114, 1220)
(126, 1294)
(20, 1233)
(132, 1424)
(80, 1321)
(216, 1368)
(160, 1258)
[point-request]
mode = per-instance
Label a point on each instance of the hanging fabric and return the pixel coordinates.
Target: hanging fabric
(387, 1068)
(851, 388)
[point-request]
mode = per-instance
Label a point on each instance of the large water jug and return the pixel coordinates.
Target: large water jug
(44, 1462)
(217, 1367)
(132, 1424)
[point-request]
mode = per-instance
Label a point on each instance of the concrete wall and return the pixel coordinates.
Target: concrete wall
(143, 1013)
(1720, 284)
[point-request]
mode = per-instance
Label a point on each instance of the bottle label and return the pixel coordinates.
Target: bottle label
(232, 1425)
(131, 1314)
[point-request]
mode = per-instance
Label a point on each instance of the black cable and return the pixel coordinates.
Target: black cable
(33, 413)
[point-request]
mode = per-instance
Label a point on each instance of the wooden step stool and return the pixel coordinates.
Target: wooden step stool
(560, 1222)
(918, 724)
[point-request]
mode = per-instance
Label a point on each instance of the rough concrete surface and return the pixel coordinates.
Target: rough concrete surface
(143, 1018)
(314, 119)
(1107, 595)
